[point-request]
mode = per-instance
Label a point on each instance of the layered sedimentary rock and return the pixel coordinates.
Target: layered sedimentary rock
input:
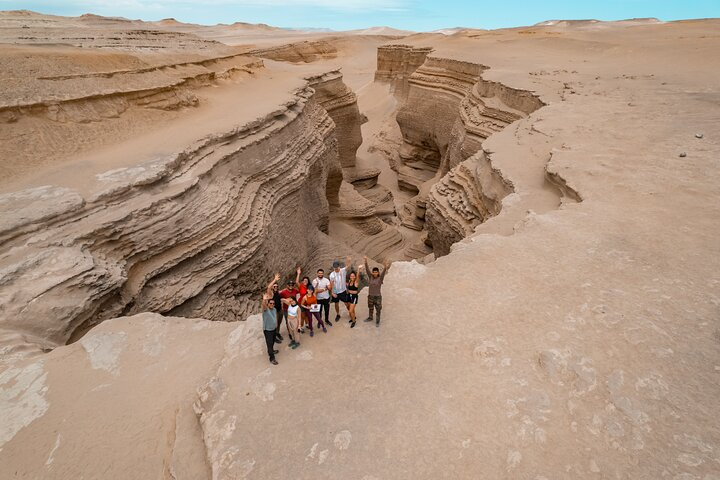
(74, 98)
(341, 104)
(299, 52)
(395, 63)
(448, 112)
(93, 31)
(193, 234)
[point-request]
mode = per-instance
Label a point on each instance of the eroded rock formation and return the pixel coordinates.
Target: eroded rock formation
(298, 52)
(190, 234)
(395, 63)
(447, 113)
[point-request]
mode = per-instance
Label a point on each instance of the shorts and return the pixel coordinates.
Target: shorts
(353, 298)
(341, 297)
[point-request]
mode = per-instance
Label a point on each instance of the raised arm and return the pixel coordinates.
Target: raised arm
(297, 277)
(386, 267)
(367, 269)
(348, 262)
(275, 279)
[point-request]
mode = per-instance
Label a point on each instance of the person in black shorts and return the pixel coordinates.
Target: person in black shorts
(353, 290)
(338, 286)
(277, 301)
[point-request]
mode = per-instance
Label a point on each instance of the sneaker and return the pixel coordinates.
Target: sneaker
(275, 352)
(294, 345)
(311, 334)
(278, 338)
(337, 318)
(324, 330)
(352, 324)
(377, 322)
(302, 330)
(369, 319)
(273, 361)
(328, 323)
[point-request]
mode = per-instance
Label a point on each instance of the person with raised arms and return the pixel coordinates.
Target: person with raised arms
(270, 319)
(338, 286)
(353, 290)
(322, 293)
(375, 281)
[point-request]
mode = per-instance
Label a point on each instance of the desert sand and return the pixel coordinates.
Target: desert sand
(549, 196)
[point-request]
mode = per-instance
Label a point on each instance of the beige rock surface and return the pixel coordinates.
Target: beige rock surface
(572, 332)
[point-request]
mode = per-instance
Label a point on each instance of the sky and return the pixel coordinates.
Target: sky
(417, 15)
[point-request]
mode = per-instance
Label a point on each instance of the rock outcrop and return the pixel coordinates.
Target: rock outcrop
(447, 113)
(395, 63)
(299, 52)
(192, 234)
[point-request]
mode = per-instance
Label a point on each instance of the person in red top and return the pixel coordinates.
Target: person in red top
(291, 291)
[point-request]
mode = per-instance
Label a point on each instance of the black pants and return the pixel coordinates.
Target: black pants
(279, 314)
(270, 341)
(325, 302)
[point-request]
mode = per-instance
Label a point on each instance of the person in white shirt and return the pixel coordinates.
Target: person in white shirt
(322, 293)
(338, 286)
(293, 321)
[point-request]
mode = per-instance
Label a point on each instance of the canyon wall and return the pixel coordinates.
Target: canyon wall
(298, 52)
(395, 63)
(447, 113)
(194, 234)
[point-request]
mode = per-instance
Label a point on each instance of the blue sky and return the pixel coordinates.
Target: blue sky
(419, 15)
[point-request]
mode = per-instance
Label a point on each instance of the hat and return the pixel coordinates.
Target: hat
(290, 281)
(336, 264)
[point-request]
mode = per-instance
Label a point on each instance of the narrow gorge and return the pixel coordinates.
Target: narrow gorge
(196, 233)
(547, 195)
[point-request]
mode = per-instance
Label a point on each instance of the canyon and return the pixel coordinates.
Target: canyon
(548, 196)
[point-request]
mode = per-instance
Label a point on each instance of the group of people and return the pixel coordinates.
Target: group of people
(302, 302)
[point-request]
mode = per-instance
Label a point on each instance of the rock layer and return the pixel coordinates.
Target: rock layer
(395, 63)
(449, 110)
(191, 234)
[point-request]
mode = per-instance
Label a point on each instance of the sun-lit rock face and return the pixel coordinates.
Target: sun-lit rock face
(193, 234)
(447, 113)
(395, 63)
(298, 52)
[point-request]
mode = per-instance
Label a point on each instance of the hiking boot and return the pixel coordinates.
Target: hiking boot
(369, 319)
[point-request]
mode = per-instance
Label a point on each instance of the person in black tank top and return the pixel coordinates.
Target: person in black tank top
(353, 289)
